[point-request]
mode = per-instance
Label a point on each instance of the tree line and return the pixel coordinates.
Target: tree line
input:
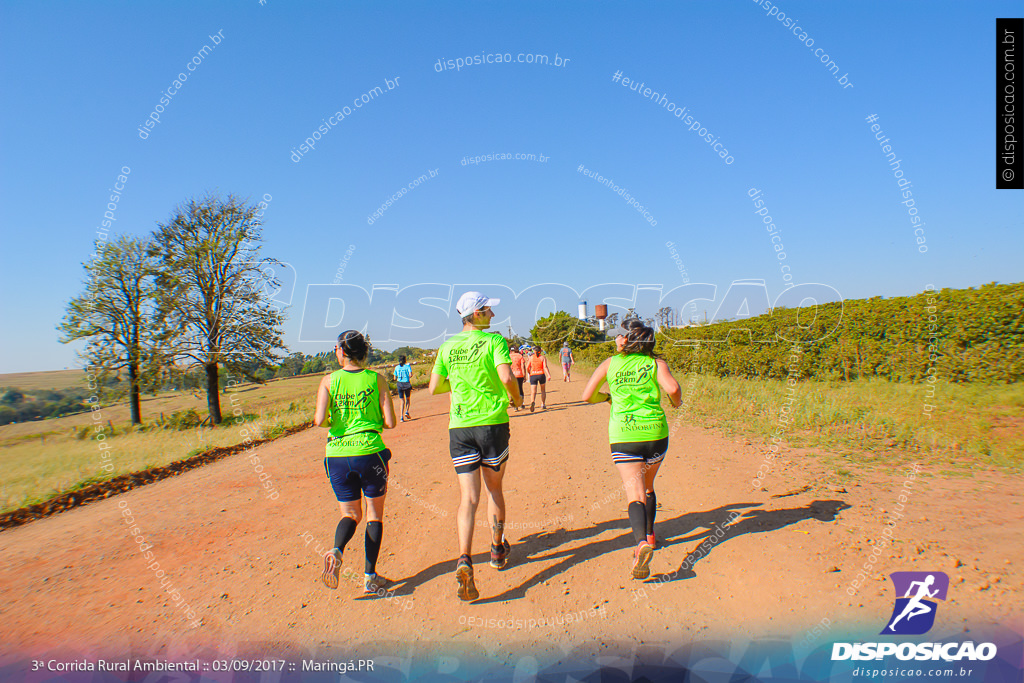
(23, 406)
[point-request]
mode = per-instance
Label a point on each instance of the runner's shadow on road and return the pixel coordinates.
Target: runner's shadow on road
(531, 548)
(707, 525)
(751, 522)
(521, 552)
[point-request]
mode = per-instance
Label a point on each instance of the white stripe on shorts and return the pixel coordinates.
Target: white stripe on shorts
(492, 462)
(466, 459)
(630, 457)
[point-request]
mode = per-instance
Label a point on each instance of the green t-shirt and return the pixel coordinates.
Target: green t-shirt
(470, 361)
(636, 414)
(356, 417)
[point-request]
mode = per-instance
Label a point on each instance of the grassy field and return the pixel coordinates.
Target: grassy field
(34, 381)
(870, 422)
(42, 459)
(45, 458)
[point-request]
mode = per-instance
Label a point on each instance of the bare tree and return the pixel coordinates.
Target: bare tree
(216, 288)
(118, 314)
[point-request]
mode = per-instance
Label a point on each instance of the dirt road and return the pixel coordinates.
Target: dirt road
(248, 566)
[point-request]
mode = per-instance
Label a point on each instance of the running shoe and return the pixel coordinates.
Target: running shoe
(373, 584)
(407, 416)
(464, 575)
(642, 560)
(499, 554)
(533, 406)
(543, 406)
(652, 541)
(402, 418)
(332, 567)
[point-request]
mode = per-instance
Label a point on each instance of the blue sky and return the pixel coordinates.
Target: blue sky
(79, 79)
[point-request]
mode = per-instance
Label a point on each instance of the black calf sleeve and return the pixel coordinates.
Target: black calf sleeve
(374, 534)
(638, 521)
(343, 534)
(652, 509)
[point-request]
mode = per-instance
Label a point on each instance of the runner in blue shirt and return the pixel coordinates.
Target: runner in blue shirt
(403, 377)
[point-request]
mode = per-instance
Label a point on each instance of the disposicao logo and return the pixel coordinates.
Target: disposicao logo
(914, 613)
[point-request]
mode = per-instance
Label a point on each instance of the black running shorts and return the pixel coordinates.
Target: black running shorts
(538, 379)
(404, 389)
(474, 446)
(649, 452)
(355, 475)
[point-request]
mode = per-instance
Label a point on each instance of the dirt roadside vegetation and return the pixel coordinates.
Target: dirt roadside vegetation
(249, 568)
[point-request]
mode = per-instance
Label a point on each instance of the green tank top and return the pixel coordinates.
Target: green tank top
(636, 414)
(356, 417)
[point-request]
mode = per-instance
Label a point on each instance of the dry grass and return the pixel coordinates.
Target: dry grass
(871, 421)
(34, 381)
(42, 459)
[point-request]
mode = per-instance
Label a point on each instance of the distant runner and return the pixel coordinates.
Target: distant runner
(518, 369)
(537, 366)
(565, 355)
(403, 378)
(637, 430)
(476, 368)
(355, 405)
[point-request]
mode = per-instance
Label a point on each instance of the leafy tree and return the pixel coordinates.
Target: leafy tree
(119, 316)
(216, 288)
(313, 365)
(292, 365)
(663, 318)
(12, 397)
(550, 332)
(263, 374)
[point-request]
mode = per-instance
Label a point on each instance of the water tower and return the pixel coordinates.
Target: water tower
(601, 312)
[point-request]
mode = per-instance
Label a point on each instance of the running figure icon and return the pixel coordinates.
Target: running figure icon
(917, 606)
(918, 595)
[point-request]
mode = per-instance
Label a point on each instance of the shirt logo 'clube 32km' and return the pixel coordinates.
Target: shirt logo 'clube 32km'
(356, 401)
(466, 354)
(634, 377)
(914, 613)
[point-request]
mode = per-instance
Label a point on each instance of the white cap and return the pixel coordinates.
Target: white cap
(470, 302)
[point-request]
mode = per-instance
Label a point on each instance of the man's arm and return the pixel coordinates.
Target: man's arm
(439, 384)
(511, 385)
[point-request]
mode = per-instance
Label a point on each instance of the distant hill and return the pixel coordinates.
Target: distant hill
(51, 379)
